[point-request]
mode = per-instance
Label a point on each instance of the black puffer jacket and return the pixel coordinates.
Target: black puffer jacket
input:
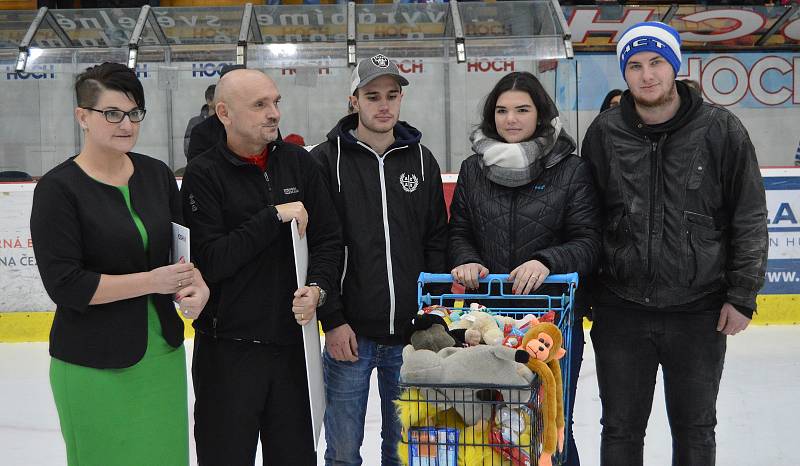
(685, 215)
(553, 219)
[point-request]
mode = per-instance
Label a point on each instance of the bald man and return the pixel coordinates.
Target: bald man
(238, 198)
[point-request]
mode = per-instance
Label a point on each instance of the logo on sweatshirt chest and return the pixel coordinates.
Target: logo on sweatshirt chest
(291, 190)
(409, 182)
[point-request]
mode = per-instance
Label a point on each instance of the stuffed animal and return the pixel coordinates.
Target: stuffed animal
(514, 329)
(462, 367)
(479, 327)
(438, 310)
(429, 332)
(414, 411)
(543, 344)
(476, 450)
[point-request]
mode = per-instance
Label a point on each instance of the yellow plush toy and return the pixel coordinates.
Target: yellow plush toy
(414, 411)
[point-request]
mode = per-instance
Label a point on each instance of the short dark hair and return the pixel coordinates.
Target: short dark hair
(108, 76)
(210, 92)
(519, 81)
(607, 101)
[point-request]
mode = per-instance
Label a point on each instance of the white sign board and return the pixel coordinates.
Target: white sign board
(313, 349)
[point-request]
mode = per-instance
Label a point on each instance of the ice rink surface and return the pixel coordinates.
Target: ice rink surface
(758, 408)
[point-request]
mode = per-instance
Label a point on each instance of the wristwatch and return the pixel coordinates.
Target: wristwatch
(323, 295)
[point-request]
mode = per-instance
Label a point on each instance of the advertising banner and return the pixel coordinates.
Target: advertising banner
(783, 207)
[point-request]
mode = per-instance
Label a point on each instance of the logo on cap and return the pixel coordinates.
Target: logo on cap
(381, 61)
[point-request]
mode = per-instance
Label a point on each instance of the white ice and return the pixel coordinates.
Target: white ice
(758, 408)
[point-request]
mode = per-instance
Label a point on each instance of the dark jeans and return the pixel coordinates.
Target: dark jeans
(347, 392)
(245, 389)
(629, 346)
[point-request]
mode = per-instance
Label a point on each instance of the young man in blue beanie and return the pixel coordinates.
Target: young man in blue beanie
(684, 250)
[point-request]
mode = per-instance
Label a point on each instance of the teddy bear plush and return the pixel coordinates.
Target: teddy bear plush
(463, 367)
(478, 326)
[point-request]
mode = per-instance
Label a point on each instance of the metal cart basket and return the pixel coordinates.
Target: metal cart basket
(435, 433)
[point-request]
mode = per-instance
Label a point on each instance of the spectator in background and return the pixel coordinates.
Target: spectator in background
(210, 131)
(206, 111)
(295, 138)
(612, 100)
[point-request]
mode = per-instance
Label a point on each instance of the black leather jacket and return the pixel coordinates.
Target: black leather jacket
(683, 204)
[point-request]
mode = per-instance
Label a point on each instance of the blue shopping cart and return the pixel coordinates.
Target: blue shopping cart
(443, 443)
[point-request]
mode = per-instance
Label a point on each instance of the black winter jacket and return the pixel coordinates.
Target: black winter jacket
(82, 228)
(684, 207)
(391, 203)
(553, 219)
(245, 252)
(204, 136)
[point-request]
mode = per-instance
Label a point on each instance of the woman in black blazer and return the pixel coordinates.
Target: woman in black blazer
(101, 229)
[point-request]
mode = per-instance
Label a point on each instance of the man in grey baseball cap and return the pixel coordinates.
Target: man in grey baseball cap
(387, 189)
(370, 68)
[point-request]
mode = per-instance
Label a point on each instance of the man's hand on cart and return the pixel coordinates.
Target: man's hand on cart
(731, 321)
(288, 211)
(304, 304)
(341, 343)
(468, 274)
(528, 277)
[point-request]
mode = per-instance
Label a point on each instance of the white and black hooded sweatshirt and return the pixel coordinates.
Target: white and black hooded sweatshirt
(394, 224)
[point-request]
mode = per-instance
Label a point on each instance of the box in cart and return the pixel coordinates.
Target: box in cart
(432, 446)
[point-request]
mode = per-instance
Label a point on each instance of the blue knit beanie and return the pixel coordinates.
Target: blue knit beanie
(650, 36)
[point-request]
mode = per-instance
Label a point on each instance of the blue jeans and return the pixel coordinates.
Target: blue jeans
(347, 392)
(629, 347)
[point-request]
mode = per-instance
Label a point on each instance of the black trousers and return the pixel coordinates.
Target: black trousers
(243, 390)
(629, 346)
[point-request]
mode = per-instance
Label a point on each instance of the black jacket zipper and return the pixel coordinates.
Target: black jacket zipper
(654, 189)
(513, 231)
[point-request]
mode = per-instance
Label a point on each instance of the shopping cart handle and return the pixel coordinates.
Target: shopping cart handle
(566, 278)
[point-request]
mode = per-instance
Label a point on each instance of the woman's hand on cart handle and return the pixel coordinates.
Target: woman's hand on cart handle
(341, 343)
(528, 277)
(469, 274)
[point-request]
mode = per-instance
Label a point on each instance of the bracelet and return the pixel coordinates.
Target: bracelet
(278, 214)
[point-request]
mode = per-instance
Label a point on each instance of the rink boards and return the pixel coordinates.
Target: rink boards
(26, 312)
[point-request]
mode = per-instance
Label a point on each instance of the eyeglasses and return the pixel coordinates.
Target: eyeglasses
(116, 116)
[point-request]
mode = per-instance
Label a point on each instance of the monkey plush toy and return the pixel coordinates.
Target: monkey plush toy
(543, 344)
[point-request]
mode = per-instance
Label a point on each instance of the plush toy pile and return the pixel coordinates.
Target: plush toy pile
(495, 380)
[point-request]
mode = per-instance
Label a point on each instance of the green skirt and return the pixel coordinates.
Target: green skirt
(135, 416)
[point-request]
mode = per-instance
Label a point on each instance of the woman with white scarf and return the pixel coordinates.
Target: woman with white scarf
(525, 204)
